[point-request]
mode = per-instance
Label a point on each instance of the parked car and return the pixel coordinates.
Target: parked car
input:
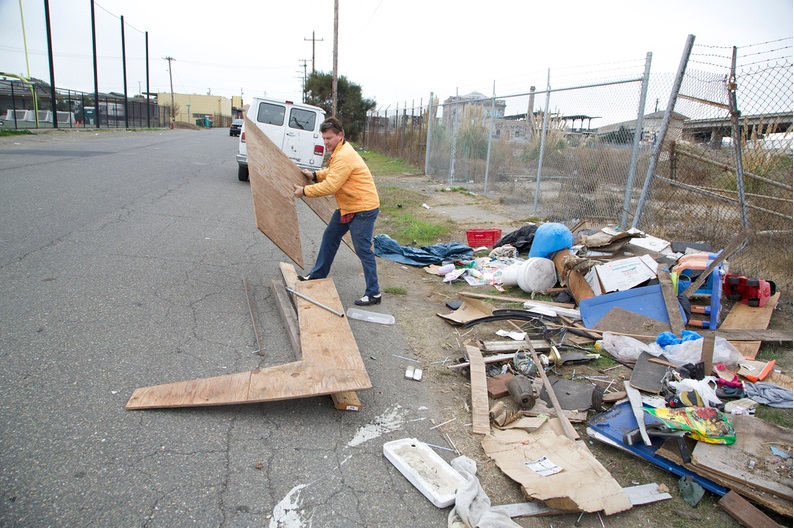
(293, 128)
(237, 126)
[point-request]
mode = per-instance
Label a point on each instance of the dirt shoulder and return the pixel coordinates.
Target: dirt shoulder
(433, 341)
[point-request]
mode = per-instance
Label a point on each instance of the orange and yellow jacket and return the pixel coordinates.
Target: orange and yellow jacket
(348, 179)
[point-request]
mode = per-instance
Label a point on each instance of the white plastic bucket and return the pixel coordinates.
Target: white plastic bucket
(534, 274)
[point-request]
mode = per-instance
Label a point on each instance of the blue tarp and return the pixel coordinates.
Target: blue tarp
(389, 249)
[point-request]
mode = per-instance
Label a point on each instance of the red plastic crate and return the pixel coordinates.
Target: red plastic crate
(483, 237)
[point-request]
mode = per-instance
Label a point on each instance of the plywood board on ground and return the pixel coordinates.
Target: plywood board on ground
(331, 364)
(743, 316)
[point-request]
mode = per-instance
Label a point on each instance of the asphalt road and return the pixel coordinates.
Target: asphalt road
(121, 264)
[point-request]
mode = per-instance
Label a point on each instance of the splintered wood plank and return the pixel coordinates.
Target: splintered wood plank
(331, 363)
(479, 392)
(745, 513)
(745, 317)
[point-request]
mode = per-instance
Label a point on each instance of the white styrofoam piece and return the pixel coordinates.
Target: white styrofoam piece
(425, 469)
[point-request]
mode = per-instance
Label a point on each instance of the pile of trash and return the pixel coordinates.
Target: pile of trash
(682, 393)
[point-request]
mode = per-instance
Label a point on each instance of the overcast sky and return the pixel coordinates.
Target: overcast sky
(398, 51)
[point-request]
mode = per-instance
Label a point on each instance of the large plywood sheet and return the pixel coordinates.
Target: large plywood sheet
(331, 364)
(272, 175)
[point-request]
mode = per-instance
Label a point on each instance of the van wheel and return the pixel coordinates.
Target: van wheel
(242, 173)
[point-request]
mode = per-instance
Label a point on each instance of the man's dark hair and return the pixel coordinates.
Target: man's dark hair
(331, 123)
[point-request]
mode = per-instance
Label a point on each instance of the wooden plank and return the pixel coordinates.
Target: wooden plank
(567, 428)
(707, 352)
(479, 392)
(331, 364)
(344, 401)
(783, 506)
(505, 298)
(753, 438)
(745, 513)
(779, 336)
(513, 346)
(743, 317)
(288, 316)
(671, 302)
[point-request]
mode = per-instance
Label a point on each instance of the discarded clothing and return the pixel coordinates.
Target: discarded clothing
(669, 338)
(769, 394)
(389, 249)
(472, 505)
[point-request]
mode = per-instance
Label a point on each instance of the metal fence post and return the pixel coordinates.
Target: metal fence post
(736, 136)
(679, 79)
(430, 117)
(490, 139)
(542, 142)
(635, 150)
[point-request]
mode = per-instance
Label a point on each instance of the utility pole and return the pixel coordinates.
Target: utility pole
(336, 56)
(173, 110)
(304, 61)
(313, 41)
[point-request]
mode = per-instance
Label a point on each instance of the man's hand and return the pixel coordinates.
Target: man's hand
(309, 174)
(298, 191)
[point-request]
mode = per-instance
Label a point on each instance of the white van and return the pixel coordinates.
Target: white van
(294, 128)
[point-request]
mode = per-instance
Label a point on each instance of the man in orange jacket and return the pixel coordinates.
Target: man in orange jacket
(348, 178)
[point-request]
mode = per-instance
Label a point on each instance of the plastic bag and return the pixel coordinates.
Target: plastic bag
(690, 351)
(549, 238)
(706, 424)
(705, 387)
(626, 349)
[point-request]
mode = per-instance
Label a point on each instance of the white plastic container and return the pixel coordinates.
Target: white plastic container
(534, 274)
(370, 317)
(425, 469)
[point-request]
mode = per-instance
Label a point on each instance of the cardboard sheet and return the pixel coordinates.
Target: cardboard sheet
(583, 484)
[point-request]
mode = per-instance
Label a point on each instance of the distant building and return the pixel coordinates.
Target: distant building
(192, 107)
(623, 132)
(456, 107)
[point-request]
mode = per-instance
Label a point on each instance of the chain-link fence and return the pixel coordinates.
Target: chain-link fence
(29, 105)
(731, 166)
(615, 151)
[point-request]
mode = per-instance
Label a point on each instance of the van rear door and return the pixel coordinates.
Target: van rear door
(270, 118)
(303, 134)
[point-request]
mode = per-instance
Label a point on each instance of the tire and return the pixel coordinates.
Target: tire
(755, 303)
(753, 283)
(733, 280)
(242, 173)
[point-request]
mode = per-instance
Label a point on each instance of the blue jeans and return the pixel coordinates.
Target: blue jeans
(361, 228)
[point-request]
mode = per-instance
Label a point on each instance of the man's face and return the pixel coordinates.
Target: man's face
(331, 139)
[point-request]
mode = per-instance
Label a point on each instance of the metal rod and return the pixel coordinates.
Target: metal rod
(324, 307)
(253, 319)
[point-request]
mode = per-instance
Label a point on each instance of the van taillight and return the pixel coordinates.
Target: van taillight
(242, 137)
(319, 150)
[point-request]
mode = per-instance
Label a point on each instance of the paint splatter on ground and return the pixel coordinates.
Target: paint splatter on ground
(287, 513)
(389, 421)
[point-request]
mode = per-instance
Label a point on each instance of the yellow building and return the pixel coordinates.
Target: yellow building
(193, 107)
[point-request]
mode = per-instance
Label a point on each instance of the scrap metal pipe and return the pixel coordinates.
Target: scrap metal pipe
(321, 305)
